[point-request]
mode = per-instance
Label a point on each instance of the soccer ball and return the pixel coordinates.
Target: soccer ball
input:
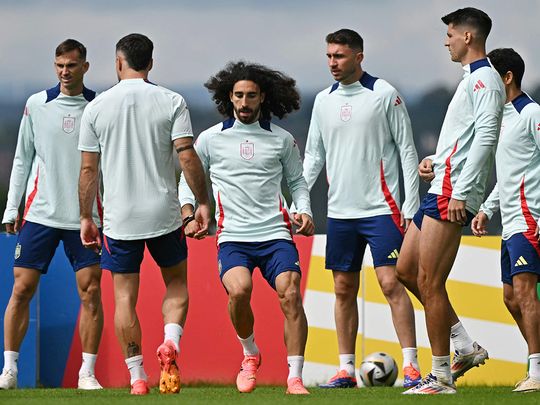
(378, 369)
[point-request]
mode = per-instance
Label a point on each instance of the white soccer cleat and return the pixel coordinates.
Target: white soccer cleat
(89, 382)
(461, 363)
(527, 385)
(430, 385)
(8, 380)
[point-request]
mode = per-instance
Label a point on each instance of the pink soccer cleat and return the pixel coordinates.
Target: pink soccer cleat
(247, 379)
(169, 379)
(295, 386)
(139, 387)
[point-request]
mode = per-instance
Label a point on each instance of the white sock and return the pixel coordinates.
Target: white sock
(88, 364)
(534, 366)
(346, 362)
(173, 332)
(460, 339)
(10, 361)
(440, 368)
(249, 346)
(136, 368)
(410, 357)
(296, 364)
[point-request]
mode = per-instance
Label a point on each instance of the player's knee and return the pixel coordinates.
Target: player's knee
(511, 303)
(391, 287)
(345, 290)
(22, 292)
(90, 295)
(289, 297)
(239, 293)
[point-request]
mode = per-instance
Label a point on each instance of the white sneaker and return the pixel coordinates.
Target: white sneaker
(430, 385)
(8, 380)
(89, 382)
(528, 385)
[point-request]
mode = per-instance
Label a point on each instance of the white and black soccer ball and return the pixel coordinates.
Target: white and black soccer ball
(378, 370)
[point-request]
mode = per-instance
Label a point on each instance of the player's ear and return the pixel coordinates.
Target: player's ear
(263, 96)
(231, 96)
(150, 65)
(86, 66)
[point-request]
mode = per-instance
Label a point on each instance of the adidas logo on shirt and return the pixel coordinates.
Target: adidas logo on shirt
(479, 85)
(398, 101)
(394, 254)
(521, 262)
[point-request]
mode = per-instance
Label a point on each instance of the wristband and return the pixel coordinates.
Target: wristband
(187, 220)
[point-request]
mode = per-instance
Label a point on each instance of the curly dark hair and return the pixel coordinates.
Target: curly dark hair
(281, 94)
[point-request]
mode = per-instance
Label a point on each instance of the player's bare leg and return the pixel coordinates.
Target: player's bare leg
(290, 301)
(17, 312)
(16, 320)
(90, 323)
(128, 328)
(400, 305)
(346, 286)
(512, 304)
(239, 285)
(174, 309)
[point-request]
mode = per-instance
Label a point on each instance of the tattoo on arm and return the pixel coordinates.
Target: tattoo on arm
(133, 349)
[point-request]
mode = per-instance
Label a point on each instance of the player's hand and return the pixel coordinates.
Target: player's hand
(478, 224)
(457, 212)
(305, 223)
(404, 222)
(425, 170)
(90, 237)
(202, 217)
(537, 231)
(14, 227)
(193, 228)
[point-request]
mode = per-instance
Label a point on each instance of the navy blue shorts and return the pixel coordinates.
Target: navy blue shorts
(346, 241)
(436, 207)
(125, 256)
(36, 245)
(272, 257)
(519, 254)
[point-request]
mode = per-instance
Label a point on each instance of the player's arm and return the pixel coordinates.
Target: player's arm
(292, 169)
(425, 169)
(192, 189)
(401, 130)
(532, 112)
(487, 109)
(22, 165)
(88, 189)
(315, 154)
(485, 213)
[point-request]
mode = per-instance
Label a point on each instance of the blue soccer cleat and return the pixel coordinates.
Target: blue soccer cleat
(341, 380)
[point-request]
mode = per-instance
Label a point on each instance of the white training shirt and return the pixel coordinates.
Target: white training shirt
(133, 126)
(468, 136)
(361, 131)
(47, 162)
(246, 164)
(518, 168)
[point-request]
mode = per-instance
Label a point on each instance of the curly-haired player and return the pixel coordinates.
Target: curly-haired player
(247, 156)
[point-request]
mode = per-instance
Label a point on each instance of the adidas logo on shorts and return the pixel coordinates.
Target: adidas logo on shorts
(394, 254)
(521, 262)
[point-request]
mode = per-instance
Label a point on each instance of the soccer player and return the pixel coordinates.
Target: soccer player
(360, 128)
(247, 157)
(132, 130)
(46, 163)
(517, 193)
(461, 164)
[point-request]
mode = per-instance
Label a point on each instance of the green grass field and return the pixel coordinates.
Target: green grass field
(267, 395)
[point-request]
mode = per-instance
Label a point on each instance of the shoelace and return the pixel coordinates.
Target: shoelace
(426, 380)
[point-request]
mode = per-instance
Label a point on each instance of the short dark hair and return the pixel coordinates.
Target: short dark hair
(281, 94)
(507, 60)
(346, 36)
(470, 16)
(137, 49)
(70, 45)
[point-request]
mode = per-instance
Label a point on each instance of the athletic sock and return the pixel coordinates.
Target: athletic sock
(88, 364)
(249, 346)
(440, 368)
(296, 364)
(173, 332)
(534, 366)
(10, 361)
(346, 362)
(461, 340)
(410, 357)
(136, 368)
